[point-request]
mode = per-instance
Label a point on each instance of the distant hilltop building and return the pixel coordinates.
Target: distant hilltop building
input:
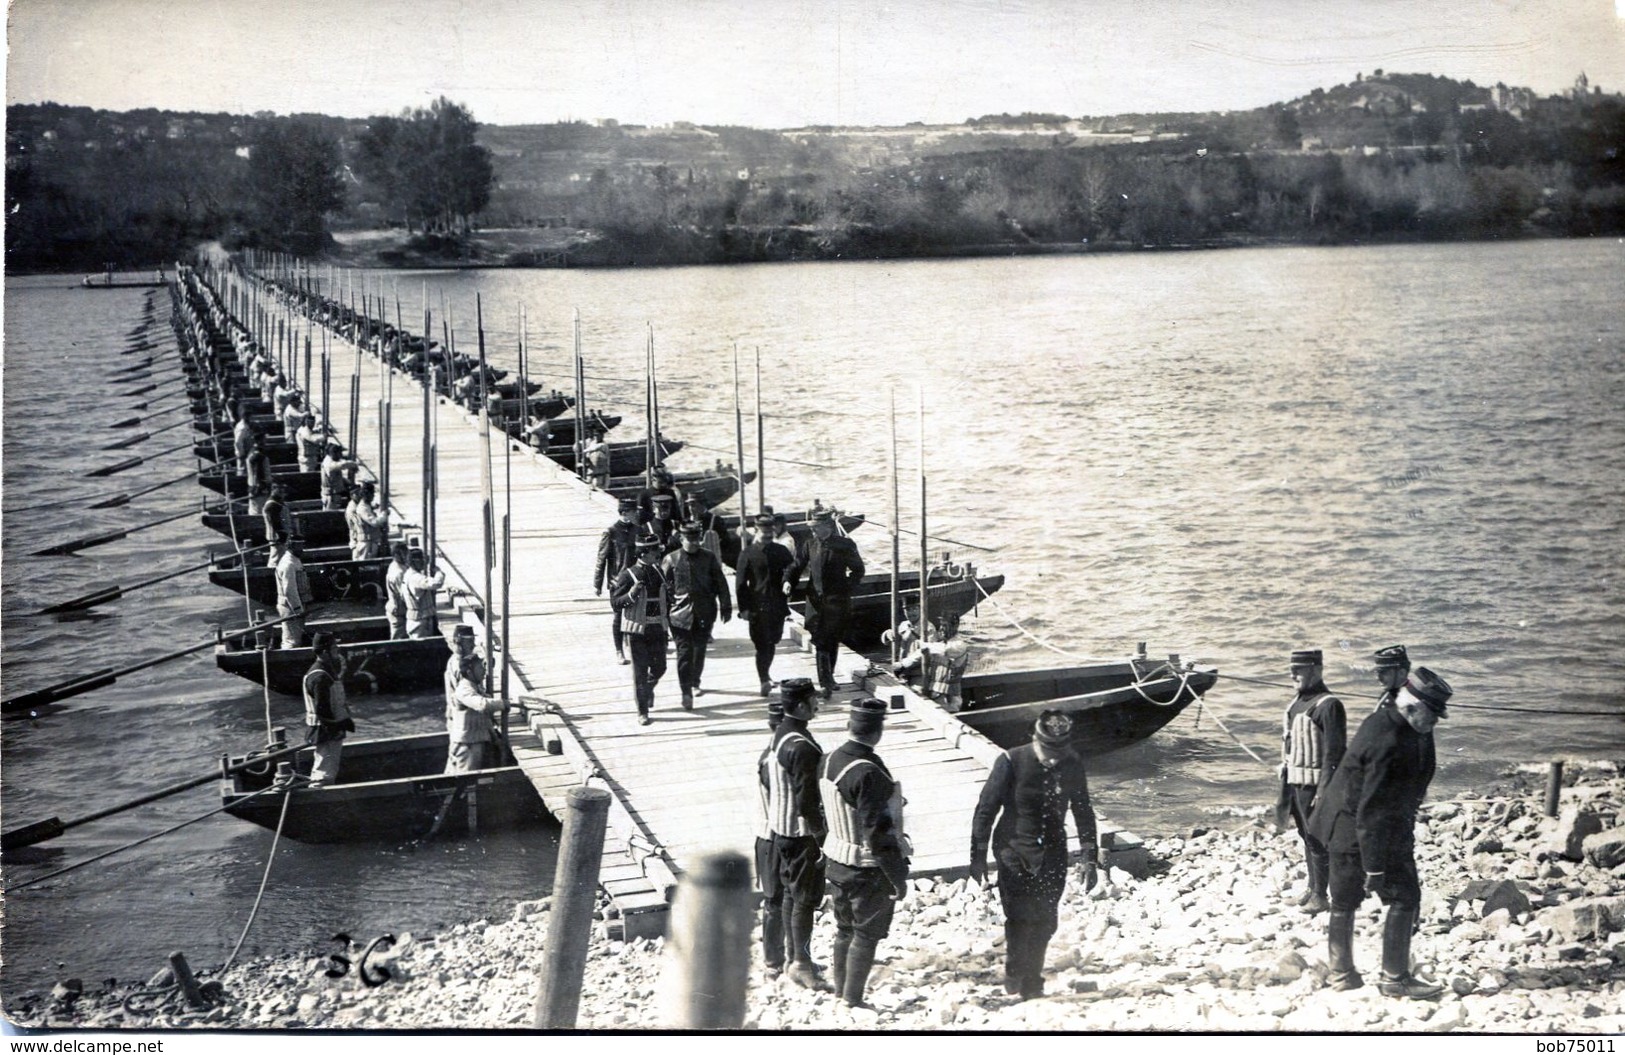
(1514, 101)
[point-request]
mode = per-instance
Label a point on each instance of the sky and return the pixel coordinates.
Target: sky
(780, 63)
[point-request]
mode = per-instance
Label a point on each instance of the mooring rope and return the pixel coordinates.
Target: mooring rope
(270, 859)
(1025, 632)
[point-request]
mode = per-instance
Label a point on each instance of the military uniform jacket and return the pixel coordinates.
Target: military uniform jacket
(617, 549)
(655, 599)
(833, 567)
(698, 588)
(1030, 801)
(1371, 802)
(759, 579)
(794, 807)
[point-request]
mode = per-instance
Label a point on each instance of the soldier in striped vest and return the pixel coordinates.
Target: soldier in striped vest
(866, 849)
(642, 596)
(1314, 733)
(795, 814)
(767, 862)
(327, 712)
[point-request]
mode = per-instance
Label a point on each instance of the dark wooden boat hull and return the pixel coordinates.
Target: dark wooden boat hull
(1108, 711)
(321, 527)
(390, 790)
(564, 429)
(871, 603)
(343, 580)
(712, 488)
(373, 663)
(263, 423)
(277, 451)
(625, 459)
(296, 485)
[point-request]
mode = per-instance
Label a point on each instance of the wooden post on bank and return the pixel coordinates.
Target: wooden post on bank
(187, 981)
(575, 892)
(1554, 785)
(712, 920)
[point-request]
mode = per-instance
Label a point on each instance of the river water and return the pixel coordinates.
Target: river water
(1228, 455)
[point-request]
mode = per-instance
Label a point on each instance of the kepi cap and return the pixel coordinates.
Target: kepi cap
(648, 542)
(690, 529)
(1392, 656)
(1053, 727)
(627, 505)
(1306, 657)
(1428, 689)
(764, 519)
(321, 641)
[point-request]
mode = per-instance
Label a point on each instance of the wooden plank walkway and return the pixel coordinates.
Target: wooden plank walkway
(685, 785)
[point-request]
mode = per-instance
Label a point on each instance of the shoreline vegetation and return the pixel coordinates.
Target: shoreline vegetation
(1523, 919)
(1385, 158)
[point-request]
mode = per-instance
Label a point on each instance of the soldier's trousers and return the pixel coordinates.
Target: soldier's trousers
(765, 633)
(826, 626)
(1300, 802)
(691, 653)
(801, 874)
(767, 875)
(1400, 884)
(1030, 919)
(648, 664)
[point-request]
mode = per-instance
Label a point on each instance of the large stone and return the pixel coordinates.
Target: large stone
(1590, 918)
(1505, 894)
(1573, 825)
(1605, 849)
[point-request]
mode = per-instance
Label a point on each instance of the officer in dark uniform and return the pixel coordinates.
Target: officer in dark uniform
(698, 590)
(617, 549)
(833, 568)
(1029, 792)
(1393, 667)
(867, 859)
(759, 583)
(1314, 733)
(662, 523)
(643, 597)
(767, 861)
(1367, 819)
(795, 813)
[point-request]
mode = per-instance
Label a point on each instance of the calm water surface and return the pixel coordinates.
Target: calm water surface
(1228, 455)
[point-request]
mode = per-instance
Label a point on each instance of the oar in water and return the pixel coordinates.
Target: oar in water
(51, 827)
(125, 423)
(124, 499)
(131, 463)
(64, 548)
(113, 593)
(81, 683)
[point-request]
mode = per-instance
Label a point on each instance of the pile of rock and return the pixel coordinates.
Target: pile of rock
(1523, 918)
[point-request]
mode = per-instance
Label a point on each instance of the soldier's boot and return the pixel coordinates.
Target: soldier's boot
(837, 961)
(1340, 951)
(1397, 979)
(1314, 900)
(860, 959)
(773, 938)
(802, 970)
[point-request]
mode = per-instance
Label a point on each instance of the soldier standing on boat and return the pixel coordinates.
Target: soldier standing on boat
(395, 603)
(418, 589)
(293, 594)
(278, 521)
(242, 435)
(327, 712)
(258, 482)
(293, 416)
(1314, 733)
(1367, 819)
(311, 445)
(767, 859)
(642, 596)
(462, 646)
(867, 865)
(1393, 667)
(1029, 792)
(760, 580)
(336, 472)
(617, 551)
(469, 730)
(795, 813)
(698, 590)
(833, 567)
(596, 455)
(369, 526)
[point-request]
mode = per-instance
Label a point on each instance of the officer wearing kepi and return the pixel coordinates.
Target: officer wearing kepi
(1367, 819)
(1029, 792)
(617, 549)
(867, 865)
(795, 813)
(833, 568)
(1393, 667)
(1314, 732)
(759, 579)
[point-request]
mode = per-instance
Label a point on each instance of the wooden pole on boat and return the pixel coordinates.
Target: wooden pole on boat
(648, 411)
(355, 392)
(575, 892)
(327, 389)
(925, 541)
(487, 515)
(507, 624)
(739, 449)
(654, 403)
(896, 547)
(578, 377)
(761, 467)
(712, 921)
(428, 398)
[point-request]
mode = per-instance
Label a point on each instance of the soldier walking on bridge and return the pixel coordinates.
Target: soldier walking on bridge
(642, 596)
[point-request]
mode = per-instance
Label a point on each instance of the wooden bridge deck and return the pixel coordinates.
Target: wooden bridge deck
(684, 785)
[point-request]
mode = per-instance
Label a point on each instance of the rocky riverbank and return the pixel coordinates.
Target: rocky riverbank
(1523, 918)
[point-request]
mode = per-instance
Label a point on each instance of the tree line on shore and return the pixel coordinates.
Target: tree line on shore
(1305, 172)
